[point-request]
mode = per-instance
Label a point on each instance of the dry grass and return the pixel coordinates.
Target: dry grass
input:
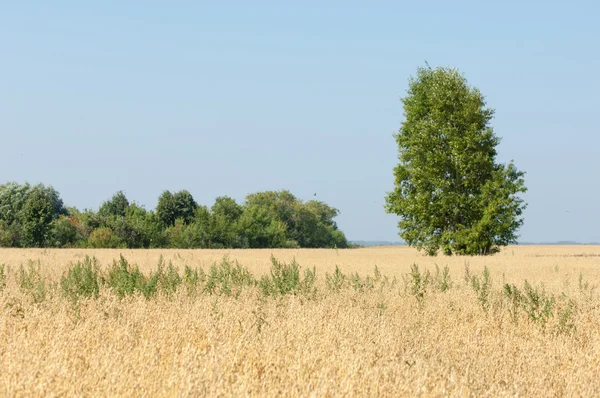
(380, 341)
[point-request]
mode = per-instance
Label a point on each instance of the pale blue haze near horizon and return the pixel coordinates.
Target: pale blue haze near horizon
(229, 98)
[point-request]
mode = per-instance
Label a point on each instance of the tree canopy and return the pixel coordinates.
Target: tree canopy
(449, 191)
(34, 216)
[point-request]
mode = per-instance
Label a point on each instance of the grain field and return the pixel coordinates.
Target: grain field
(366, 322)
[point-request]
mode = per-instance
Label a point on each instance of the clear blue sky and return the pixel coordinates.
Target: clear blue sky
(239, 97)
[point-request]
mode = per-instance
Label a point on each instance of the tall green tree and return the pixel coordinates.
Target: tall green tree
(171, 206)
(185, 206)
(223, 223)
(37, 215)
(115, 206)
(449, 191)
(26, 212)
(166, 210)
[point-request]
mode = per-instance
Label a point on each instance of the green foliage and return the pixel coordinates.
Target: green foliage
(103, 238)
(337, 281)
(417, 283)
(6, 236)
(26, 213)
(357, 282)
(515, 299)
(482, 286)
(308, 284)
(166, 209)
(185, 206)
(64, 233)
(449, 191)
(180, 205)
(2, 277)
(228, 278)
(169, 280)
(125, 279)
(34, 216)
(586, 289)
(285, 279)
(13, 198)
(565, 318)
(261, 229)
(279, 219)
(32, 283)
(192, 278)
(184, 236)
(537, 304)
(143, 229)
(115, 207)
(82, 280)
(223, 224)
(442, 278)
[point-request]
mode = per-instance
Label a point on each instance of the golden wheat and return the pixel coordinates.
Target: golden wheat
(382, 342)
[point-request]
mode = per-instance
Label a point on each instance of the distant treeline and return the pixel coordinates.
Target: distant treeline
(35, 216)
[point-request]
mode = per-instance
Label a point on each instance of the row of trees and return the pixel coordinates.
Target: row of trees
(35, 216)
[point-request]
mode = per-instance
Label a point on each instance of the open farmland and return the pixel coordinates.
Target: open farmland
(453, 326)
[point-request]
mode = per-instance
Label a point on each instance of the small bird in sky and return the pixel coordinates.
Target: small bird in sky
(315, 194)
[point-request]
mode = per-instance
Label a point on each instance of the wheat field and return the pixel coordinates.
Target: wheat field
(391, 331)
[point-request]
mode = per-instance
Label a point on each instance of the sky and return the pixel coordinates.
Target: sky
(234, 97)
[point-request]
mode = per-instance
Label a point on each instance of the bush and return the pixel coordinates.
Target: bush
(537, 302)
(515, 298)
(228, 278)
(125, 279)
(64, 233)
(6, 238)
(192, 278)
(82, 280)
(2, 277)
(169, 280)
(103, 237)
(285, 279)
(32, 283)
(336, 281)
(442, 278)
(417, 283)
(482, 287)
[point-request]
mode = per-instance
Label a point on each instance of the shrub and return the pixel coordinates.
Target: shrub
(103, 237)
(442, 278)
(417, 283)
(6, 238)
(32, 283)
(308, 284)
(228, 278)
(64, 232)
(125, 279)
(336, 281)
(192, 278)
(586, 290)
(482, 287)
(285, 279)
(565, 318)
(515, 298)
(82, 280)
(169, 279)
(537, 302)
(2, 277)
(356, 282)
